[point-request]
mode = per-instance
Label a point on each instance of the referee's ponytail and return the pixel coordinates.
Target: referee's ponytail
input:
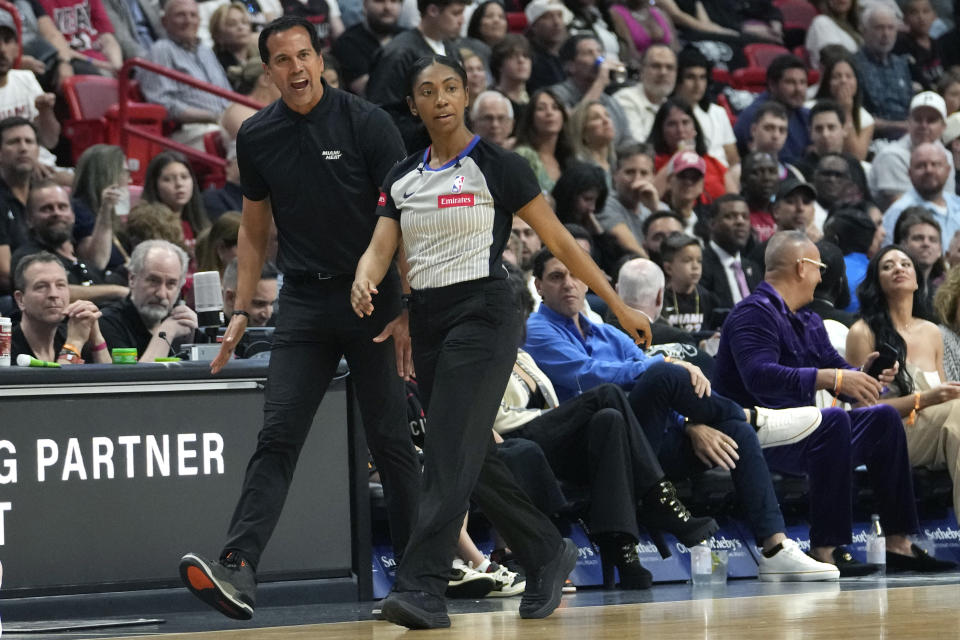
(426, 61)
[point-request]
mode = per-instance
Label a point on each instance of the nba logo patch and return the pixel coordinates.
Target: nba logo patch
(458, 184)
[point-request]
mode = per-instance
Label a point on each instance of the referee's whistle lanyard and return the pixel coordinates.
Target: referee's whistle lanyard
(424, 162)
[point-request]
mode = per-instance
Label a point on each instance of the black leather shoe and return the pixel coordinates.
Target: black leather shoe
(415, 610)
(848, 566)
(920, 561)
(545, 584)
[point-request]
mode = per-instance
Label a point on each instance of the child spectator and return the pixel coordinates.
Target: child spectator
(686, 305)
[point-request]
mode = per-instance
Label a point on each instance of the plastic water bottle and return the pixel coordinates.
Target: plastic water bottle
(877, 545)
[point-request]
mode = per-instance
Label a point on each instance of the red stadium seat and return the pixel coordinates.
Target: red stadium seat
(761, 55)
(723, 102)
(720, 76)
(210, 177)
(797, 14)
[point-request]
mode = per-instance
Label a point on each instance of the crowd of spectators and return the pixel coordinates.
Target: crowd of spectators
(682, 187)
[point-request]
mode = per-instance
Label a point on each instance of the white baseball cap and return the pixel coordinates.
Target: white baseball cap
(929, 99)
(539, 7)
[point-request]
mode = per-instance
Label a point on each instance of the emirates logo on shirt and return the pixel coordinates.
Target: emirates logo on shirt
(461, 200)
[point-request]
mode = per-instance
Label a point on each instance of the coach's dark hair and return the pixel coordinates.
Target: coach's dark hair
(422, 63)
(285, 23)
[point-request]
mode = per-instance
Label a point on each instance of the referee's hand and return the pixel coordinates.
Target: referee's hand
(238, 324)
(361, 297)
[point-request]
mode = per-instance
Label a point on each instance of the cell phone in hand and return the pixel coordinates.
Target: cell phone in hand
(886, 359)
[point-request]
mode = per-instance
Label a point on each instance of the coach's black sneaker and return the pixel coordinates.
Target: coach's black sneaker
(229, 585)
(545, 585)
(415, 610)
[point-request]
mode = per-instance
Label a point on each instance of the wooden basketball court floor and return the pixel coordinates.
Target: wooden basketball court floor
(901, 608)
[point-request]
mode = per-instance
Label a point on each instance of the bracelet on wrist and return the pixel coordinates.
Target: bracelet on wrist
(69, 348)
(99, 347)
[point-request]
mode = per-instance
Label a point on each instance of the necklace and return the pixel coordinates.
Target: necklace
(696, 299)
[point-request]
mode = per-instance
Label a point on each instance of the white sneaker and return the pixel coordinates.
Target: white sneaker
(776, 427)
(467, 582)
(790, 564)
(507, 582)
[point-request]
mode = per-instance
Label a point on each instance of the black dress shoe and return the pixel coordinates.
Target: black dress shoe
(848, 566)
(920, 561)
(545, 584)
(415, 610)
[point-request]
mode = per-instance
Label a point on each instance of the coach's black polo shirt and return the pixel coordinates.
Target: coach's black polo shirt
(322, 172)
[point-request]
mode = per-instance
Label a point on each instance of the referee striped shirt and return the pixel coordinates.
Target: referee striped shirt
(456, 219)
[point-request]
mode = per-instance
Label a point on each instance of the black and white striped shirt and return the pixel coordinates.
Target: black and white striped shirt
(456, 219)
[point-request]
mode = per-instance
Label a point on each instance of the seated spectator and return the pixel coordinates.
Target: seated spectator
(727, 273)
(542, 140)
(657, 227)
(440, 22)
(150, 318)
(768, 134)
(170, 180)
(832, 295)
(640, 103)
(675, 130)
(586, 82)
(478, 78)
(217, 246)
(50, 221)
(841, 82)
(590, 18)
(136, 25)
(685, 189)
(491, 115)
(323, 13)
(626, 483)
(85, 26)
(786, 84)
(792, 211)
(510, 65)
(20, 93)
(52, 328)
(264, 296)
(634, 197)
(855, 233)
(772, 352)
(893, 313)
(486, 28)
(18, 160)
(152, 221)
(592, 134)
(921, 51)
(949, 88)
(827, 133)
(196, 111)
(358, 46)
(918, 233)
(693, 79)
(686, 304)
(887, 85)
(251, 81)
(638, 26)
(929, 176)
(758, 187)
(547, 22)
(578, 356)
(101, 200)
(889, 173)
(946, 305)
(580, 193)
(836, 24)
(233, 38)
(834, 185)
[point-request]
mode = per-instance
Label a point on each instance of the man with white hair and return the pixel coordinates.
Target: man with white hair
(929, 173)
(150, 319)
(492, 118)
(889, 174)
(886, 81)
(641, 284)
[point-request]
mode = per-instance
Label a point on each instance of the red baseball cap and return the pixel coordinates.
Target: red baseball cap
(689, 160)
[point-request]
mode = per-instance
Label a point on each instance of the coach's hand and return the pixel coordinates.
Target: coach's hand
(238, 324)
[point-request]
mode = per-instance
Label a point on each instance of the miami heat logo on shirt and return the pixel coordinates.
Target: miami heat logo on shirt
(457, 184)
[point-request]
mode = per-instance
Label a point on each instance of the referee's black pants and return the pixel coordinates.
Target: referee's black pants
(465, 339)
(594, 439)
(315, 328)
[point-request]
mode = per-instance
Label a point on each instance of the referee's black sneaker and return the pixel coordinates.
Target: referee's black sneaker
(545, 585)
(229, 585)
(415, 610)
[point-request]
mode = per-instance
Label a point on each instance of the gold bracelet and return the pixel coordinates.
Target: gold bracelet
(912, 418)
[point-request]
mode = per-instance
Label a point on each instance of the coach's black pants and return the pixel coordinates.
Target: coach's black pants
(594, 439)
(315, 328)
(465, 339)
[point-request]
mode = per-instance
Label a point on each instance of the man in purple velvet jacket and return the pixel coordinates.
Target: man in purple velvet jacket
(775, 354)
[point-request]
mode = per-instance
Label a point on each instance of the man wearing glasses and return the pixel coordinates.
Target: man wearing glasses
(776, 354)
